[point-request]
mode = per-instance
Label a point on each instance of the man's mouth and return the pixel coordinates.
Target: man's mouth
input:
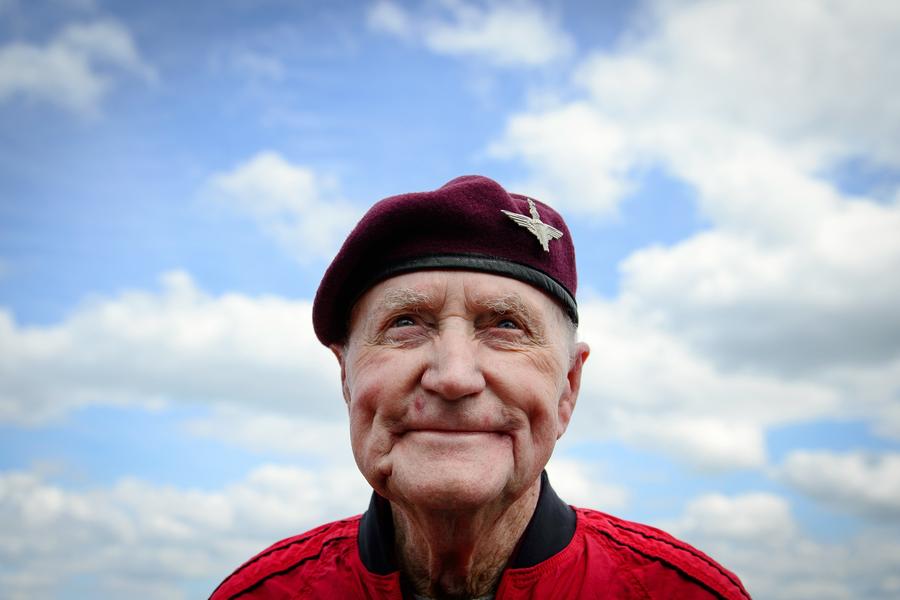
(454, 434)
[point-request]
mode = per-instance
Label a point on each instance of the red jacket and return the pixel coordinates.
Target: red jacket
(564, 553)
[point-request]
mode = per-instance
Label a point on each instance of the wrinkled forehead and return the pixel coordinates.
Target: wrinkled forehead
(439, 290)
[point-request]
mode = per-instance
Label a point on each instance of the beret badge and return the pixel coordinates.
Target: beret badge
(543, 232)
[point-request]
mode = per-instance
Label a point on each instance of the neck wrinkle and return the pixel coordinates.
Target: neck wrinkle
(454, 554)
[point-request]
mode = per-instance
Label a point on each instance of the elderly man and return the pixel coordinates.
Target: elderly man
(453, 317)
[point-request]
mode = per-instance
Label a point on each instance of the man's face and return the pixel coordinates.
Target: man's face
(458, 385)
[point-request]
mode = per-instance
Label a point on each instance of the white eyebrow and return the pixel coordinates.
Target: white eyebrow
(507, 304)
(405, 298)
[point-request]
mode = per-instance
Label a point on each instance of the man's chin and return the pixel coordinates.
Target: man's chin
(448, 487)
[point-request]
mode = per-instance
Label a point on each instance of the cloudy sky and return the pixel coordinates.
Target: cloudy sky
(174, 178)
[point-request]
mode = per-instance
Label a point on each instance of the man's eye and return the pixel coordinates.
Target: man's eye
(507, 324)
(403, 322)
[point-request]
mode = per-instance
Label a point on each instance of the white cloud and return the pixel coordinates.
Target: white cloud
(794, 282)
(724, 95)
(755, 535)
(649, 388)
(257, 363)
(75, 70)
(177, 345)
(817, 292)
(816, 74)
(258, 430)
(705, 442)
(760, 518)
(503, 34)
(296, 206)
(134, 535)
(579, 158)
(387, 17)
(582, 484)
(858, 482)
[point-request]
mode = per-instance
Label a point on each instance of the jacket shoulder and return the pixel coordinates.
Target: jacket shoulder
(660, 547)
(283, 557)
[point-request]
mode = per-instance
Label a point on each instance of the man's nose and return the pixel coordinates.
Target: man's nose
(453, 371)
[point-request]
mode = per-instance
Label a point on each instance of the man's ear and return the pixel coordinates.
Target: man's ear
(339, 352)
(573, 384)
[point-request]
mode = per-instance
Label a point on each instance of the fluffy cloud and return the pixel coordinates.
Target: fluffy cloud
(652, 388)
(178, 344)
(855, 481)
(519, 34)
(816, 293)
(756, 536)
(285, 434)
(135, 535)
(299, 208)
(793, 285)
(721, 92)
(582, 484)
(73, 70)
(388, 17)
(732, 63)
(257, 363)
(704, 442)
(649, 388)
(756, 517)
(579, 157)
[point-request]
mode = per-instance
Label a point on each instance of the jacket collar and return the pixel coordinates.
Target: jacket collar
(550, 530)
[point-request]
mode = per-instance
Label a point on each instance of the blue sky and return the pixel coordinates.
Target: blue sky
(174, 179)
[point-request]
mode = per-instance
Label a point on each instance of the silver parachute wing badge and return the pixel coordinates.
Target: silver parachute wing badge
(543, 232)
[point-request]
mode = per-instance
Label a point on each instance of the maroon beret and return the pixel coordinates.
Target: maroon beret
(471, 223)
